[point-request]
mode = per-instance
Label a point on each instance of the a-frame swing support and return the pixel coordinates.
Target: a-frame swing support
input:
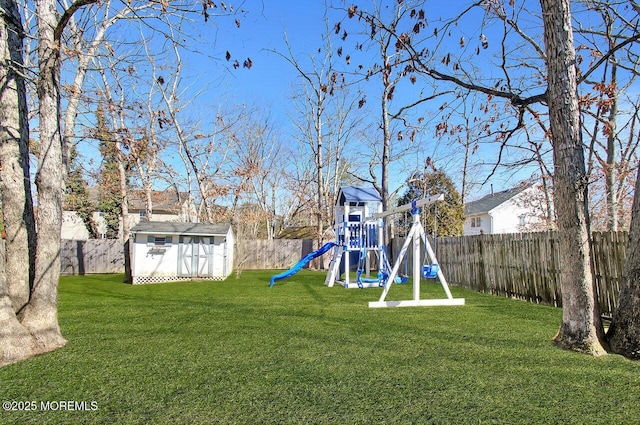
(416, 234)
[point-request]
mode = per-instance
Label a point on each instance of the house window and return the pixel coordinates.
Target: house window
(523, 220)
(143, 214)
(476, 222)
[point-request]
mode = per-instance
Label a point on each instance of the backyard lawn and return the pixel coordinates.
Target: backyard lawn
(239, 352)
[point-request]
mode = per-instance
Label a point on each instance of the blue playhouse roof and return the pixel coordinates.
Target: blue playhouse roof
(358, 194)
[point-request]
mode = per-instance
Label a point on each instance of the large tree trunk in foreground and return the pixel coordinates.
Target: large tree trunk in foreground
(28, 298)
(41, 314)
(581, 328)
(624, 332)
(17, 205)
(16, 342)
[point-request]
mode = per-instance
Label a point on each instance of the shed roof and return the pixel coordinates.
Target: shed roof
(175, 228)
(491, 201)
(358, 194)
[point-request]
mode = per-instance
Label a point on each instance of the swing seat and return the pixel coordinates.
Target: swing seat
(430, 271)
(401, 279)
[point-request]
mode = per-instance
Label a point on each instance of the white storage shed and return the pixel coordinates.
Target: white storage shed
(170, 251)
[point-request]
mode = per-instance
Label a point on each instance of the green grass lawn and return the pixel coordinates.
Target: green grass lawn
(241, 352)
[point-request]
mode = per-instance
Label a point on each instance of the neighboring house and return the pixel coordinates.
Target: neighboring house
(511, 211)
(170, 251)
(73, 228)
(167, 205)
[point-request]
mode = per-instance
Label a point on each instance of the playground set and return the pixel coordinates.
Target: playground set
(359, 229)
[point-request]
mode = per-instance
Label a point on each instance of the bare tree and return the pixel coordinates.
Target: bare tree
(324, 118)
(624, 332)
(258, 173)
(611, 142)
(122, 140)
(19, 224)
(381, 37)
(83, 45)
(35, 328)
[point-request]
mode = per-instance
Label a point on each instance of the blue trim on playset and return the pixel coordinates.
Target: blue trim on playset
(383, 273)
(303, 262)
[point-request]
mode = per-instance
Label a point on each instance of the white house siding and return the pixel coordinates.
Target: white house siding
(485, 225)
(506, 217)
(506, 213)
(73, 228)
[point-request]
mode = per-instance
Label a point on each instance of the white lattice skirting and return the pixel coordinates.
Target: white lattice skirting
(142, 280)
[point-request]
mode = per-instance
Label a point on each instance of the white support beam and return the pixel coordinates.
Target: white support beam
(415, 236)
(420, 202)
(417, 303)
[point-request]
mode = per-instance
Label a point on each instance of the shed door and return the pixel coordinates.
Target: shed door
(218, 256)
(195, 258)
(185, 256)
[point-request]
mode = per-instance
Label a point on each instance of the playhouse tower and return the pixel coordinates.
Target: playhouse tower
(357, 234)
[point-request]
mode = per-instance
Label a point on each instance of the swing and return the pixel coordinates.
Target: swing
(404, 278)
(430, 271)
(382, 274)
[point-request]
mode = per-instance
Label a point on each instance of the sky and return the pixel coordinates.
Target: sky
(269, 82)
(259, 30)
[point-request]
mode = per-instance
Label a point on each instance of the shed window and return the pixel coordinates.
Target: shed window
(159, 240)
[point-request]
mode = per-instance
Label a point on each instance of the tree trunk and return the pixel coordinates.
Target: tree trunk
(624, 332)
(581, 328)
(41, 314)
(16, 341)
(319, 169)
(611, 167)
(17, 205)
(126, 227)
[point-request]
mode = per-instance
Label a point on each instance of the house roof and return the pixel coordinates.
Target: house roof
(358, 194)
(491, 201)
(175, 228)
(165, 200)
(298, 232)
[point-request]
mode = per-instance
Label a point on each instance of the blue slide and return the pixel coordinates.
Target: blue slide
(303, 262)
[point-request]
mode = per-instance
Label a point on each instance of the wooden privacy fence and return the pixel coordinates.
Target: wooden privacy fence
(107, 255)
(522, 265)
(527, 265)
(259, 254)
(91, 256)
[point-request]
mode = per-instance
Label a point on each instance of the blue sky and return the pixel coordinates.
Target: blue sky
(268, 84)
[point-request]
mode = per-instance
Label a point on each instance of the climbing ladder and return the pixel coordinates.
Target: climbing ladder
(334, 266)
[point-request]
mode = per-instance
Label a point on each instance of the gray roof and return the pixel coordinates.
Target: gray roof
(166, 200)
(358, 194)
(175, 228)
(491, 201)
